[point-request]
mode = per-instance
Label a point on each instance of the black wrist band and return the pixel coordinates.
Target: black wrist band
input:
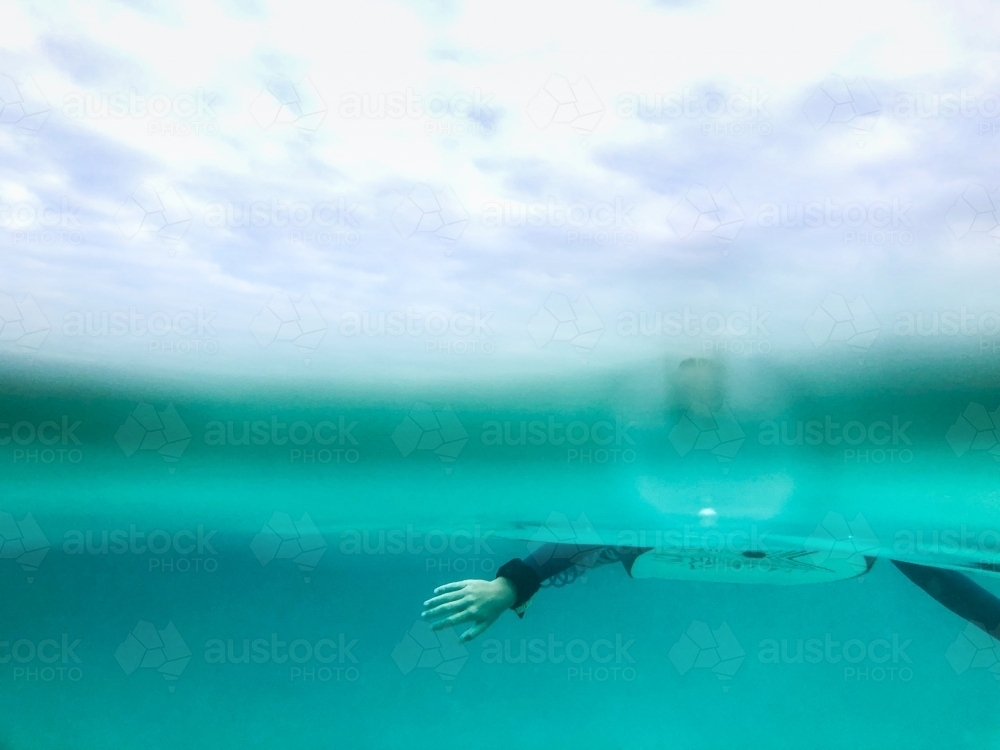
(522, 577)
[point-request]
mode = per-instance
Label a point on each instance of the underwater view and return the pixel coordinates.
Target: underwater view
(436, 374)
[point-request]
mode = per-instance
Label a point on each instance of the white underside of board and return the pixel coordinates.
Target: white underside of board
(776, 567)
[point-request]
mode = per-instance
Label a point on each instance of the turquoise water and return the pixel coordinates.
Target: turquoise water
(308, 309)
(174, 542)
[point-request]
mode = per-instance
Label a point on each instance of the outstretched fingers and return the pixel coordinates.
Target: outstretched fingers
(445, 609)
(454, 586)
(444, 598)
(460, 617)
(472, 632)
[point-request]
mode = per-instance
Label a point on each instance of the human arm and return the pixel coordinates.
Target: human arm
(476, 602)
(479, 603)
(957, 592)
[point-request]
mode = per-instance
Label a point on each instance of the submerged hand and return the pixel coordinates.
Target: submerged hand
(474, 601)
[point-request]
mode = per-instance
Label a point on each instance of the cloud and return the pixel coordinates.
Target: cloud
(420, 176)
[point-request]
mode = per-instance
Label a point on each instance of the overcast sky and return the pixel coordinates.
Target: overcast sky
(542, 187)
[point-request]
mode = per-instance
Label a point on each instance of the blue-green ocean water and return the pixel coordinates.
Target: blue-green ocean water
(161, 613)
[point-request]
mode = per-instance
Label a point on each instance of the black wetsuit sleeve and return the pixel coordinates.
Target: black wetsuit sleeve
(958, 593)
(524, 580)
(549, 560)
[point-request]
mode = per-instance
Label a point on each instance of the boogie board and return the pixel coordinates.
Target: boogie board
(784, 560)
(780, 567)
(787, 560)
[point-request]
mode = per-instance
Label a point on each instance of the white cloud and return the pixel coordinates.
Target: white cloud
(473, 53)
